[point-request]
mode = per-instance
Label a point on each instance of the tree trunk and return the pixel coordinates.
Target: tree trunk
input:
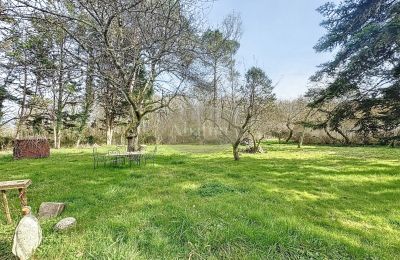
(259, 143)
(290, 133)
(88, 101)
(300, 144)
(21, 119)
(236, 155)
(59, 114)
(253, 138)
(78, 142)
(57, 140)
(121, 139)
(130, 143)
(329, 134)
(346, 139)
(255, 148)
(132, 134)
(79, 138)
(54, 136)
(133, 143)
(256, 143)
(110, 132)
(215, 96)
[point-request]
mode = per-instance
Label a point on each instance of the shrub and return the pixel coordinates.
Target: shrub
(5, 142)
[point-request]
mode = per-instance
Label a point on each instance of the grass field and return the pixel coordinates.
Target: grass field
(317, 202)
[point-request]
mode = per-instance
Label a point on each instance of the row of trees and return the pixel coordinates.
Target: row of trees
(148, 69)
(69, 65)
(65, 59)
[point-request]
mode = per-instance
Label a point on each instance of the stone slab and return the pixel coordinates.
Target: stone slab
(50, 209)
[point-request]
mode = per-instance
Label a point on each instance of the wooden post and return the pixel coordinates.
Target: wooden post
(6, 208)
(22, 197)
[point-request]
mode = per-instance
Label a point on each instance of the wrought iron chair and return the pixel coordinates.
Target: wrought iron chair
(136, 158)
(150, 156)
(114, 158)
(98, 158)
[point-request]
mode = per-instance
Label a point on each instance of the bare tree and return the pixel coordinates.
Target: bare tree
(87, 100)
(243, 104)
(218, 46)
(114, 108)
(291, 111)
(147, 45)
(264, 125)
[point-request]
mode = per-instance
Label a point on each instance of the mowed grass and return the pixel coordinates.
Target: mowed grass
(317, 202)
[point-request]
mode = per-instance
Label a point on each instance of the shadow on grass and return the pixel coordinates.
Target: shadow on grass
(314, 203)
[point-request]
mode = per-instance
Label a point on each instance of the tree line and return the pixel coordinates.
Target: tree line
(149, 71)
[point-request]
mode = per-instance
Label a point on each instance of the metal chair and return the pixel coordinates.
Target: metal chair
(134, 158)
(114, 157)
(97, 158)
(151, 156)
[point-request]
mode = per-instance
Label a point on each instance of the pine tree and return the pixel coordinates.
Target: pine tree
(364, 74)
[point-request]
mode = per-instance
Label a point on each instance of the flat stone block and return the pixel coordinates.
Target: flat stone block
(50, 209)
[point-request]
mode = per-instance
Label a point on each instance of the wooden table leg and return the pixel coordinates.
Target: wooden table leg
(22, 197)
(6, 208)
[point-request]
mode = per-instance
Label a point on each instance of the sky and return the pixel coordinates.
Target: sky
(278, 36)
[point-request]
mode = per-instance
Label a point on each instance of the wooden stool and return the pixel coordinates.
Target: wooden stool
(22, 186)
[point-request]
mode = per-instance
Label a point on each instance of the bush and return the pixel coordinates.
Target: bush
(246, 141)
(90, 139)
(313, 137)
(5, 142)
(149, 139)
(251, 149)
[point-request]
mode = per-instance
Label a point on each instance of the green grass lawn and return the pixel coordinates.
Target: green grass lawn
(196, 202)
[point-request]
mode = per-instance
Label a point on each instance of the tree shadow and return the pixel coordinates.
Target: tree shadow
(290, 204)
